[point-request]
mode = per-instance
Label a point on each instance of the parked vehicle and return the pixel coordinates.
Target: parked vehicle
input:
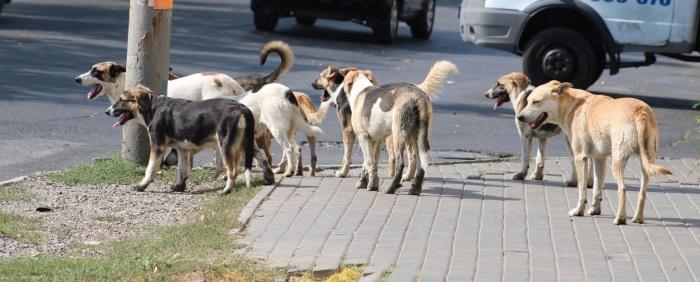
(382, 16)
(574, 40)
(2, 3)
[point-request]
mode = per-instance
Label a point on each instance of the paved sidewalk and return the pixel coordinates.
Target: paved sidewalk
(473, 223)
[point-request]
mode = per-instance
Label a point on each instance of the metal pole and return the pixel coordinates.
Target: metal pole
(147, 63)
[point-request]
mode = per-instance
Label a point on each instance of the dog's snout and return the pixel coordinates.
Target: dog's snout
(78, 80)
(521, 118)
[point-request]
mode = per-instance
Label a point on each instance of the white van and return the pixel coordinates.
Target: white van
(574, 40)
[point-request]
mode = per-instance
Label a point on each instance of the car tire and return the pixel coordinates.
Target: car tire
(386, 26)
(562, 54)
(422, 25)
(265, 21)
(305, 21)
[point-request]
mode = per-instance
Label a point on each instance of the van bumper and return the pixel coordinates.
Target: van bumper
(495, 28)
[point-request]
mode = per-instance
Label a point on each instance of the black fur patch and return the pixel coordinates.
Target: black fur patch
(343, 109)
(289, 95)
(251, 82)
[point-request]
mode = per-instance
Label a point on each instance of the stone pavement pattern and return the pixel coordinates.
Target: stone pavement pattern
(473, 222)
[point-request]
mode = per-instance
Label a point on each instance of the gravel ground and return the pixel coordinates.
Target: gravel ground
(90, 214)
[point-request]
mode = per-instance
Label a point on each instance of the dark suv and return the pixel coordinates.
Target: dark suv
(382, 16)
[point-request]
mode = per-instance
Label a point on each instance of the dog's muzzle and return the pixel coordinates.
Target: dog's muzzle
(317, 86)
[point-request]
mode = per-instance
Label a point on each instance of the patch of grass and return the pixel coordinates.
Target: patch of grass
(112, 170)
(115, 170)
(386, 274)
(20, 228)
(109, 218)
(202, 248)
(12, 194)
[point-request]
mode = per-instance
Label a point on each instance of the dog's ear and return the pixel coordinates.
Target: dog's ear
(115, 70)
(520, 80)
(561, 87)
(349, 81)
(371, 77)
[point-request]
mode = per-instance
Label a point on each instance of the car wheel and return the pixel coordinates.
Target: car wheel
(422, 25)
(386, 27)
(306, 21)
(265, 21)
(562, 54)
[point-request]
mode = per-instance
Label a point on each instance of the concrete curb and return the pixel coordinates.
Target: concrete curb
(247, 212)
(13, 181)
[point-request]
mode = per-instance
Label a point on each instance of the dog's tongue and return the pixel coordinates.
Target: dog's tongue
(94, 91)
(499, 102)
(120, 120)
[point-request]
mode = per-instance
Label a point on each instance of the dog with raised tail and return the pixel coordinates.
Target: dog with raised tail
(515, 87)
(401, 110)
(598, 127)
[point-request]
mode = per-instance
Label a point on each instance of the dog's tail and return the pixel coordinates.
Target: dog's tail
(648, 138)
(436, 77)
(249, 146)
(286, 55)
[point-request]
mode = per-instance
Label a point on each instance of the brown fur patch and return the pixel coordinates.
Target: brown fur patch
(210, 73)
(218, 82)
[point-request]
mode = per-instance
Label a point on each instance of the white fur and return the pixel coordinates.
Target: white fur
(275, 113)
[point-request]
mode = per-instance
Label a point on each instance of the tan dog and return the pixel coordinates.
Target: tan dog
(515, 88)
(599, 126)
(401, 110)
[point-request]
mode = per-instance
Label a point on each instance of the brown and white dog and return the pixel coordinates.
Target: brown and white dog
(599, 126)
(190, 126)
(515, 87)
(330, 80)
(108, 78)
(401, 110)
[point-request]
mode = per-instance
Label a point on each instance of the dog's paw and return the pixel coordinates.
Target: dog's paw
(576, 212)
(223, 192)
(593, 211)
(180, 187)
(537, 176)
(519, 176)
(139, 188)
(341, 174)
(268, 178)
(406, 178)
(620, 220)
(571, 183)
(638, 219)
(392, 188)
(278, 170)
(361, 185)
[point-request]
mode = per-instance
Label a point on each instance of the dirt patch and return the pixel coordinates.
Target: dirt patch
(93, 214)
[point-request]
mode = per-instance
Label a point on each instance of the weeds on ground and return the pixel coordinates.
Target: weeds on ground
(16, 226)
(202, 248)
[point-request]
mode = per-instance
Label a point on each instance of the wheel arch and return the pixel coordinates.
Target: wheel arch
(571, 14)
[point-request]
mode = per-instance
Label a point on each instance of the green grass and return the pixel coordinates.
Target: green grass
(12, 194)
(19, 227)
(202, 247)
(16, 226)
(115, 170)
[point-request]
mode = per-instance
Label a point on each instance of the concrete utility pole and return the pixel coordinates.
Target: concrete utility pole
(147, 63)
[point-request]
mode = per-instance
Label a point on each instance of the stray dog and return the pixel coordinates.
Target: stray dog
(108, 78)
(600, 126)
(189, 127)
(515, 87)
(330, 80)
(313, 117)
(401, 110)
(276, 110)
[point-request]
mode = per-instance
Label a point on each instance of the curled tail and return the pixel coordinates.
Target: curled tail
(648, 139)
(286, 55)
(436, 76)
(317, 117)
(302, 125)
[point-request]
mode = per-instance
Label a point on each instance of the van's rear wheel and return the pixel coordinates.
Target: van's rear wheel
(422, 25)
(562, 54)
(386, 27)
(306, 21)
(264, 21)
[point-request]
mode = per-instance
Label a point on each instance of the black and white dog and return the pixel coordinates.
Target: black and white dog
(225, 125)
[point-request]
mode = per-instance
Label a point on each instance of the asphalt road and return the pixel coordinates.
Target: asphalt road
(46, 123)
